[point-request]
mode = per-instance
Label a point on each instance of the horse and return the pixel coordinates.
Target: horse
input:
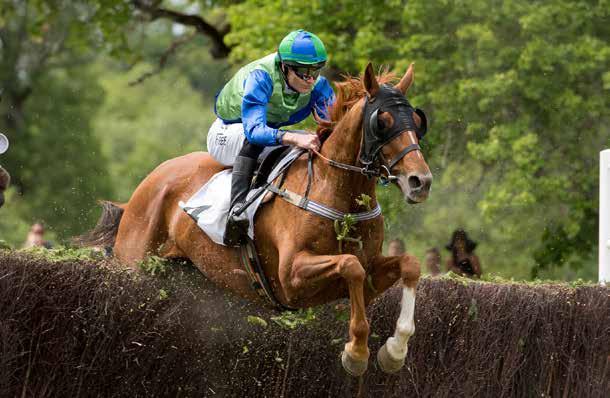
(5, 180)
(463, 261)
(299, 251)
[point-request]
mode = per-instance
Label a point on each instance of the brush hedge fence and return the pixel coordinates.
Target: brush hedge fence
(83, 327)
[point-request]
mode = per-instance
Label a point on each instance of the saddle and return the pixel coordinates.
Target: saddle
(210, 206)
(266, 163)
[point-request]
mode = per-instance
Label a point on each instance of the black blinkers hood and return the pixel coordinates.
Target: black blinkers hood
(388, 99)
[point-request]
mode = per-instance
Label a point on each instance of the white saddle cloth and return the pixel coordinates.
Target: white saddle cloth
(211, 204)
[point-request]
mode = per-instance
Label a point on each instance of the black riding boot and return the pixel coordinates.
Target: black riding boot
(237, 225)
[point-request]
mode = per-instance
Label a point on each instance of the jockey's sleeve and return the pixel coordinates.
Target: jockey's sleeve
(323, 97)
(258, 88)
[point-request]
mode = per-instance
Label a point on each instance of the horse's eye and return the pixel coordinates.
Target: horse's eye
(384, 120)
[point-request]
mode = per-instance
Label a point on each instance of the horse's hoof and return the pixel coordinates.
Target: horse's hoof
(352, 366)
(387, 363)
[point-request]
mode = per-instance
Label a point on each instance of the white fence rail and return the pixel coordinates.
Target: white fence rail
(604, 216)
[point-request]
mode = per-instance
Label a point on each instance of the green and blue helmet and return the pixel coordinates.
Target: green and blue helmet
(301, 47)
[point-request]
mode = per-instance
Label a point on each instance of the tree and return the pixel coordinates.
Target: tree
(51, 95)
(516, 93)
(521, 87)
(47, 103)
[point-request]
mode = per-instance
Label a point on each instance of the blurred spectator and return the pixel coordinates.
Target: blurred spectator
(396, 247)
(5, 179)
(36, 237)
(433, 261)
(463, 261)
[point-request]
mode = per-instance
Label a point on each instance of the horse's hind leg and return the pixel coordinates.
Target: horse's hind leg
(386, 270)
(142, 229)
(309, 270)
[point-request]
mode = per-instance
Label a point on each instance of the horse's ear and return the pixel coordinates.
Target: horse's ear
(406, 81)
(370, 81)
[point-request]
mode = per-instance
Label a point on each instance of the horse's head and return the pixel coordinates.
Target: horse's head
(462, 247)
(392, 130)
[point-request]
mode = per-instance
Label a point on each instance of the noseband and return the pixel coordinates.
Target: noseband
(374, 137)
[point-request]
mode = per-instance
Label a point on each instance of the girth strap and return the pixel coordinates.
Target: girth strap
(251, 263)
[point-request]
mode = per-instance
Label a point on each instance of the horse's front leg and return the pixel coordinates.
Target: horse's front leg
(308, 270)
(385, 271)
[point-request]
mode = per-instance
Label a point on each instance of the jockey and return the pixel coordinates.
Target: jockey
(278, 90)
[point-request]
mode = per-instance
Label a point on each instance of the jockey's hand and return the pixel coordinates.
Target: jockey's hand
(305, 141)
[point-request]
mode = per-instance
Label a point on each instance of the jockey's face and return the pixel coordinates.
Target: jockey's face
(302, 86)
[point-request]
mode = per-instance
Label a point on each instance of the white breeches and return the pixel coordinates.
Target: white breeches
(225, 141)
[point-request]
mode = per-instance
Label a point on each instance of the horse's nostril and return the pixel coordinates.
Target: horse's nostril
(414, 182)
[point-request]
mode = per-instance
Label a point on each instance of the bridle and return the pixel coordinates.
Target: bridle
(381, 169)
(374, 138)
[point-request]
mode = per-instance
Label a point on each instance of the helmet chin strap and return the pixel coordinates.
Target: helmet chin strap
(284, 70)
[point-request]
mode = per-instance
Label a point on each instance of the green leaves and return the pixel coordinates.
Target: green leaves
(256, 320)
(155, 266)
(294, 319)
(365, 201)
(353, 32)
(344, 228)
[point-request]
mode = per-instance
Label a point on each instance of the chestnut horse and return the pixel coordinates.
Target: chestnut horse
(299, 250)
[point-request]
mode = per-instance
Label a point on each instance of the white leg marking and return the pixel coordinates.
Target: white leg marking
(405, 326)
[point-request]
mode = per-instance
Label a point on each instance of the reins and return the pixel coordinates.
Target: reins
(366, 170)
(378, 171)
(320, 209)
(340, 165)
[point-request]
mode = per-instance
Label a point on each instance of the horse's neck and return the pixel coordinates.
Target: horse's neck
(344, 143)
(343, 146)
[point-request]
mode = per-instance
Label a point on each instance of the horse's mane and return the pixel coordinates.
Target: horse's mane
(348, 92)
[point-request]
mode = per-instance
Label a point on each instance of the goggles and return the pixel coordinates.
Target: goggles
(306, 72)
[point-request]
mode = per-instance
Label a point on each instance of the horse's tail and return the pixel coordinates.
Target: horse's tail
(104, 233)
